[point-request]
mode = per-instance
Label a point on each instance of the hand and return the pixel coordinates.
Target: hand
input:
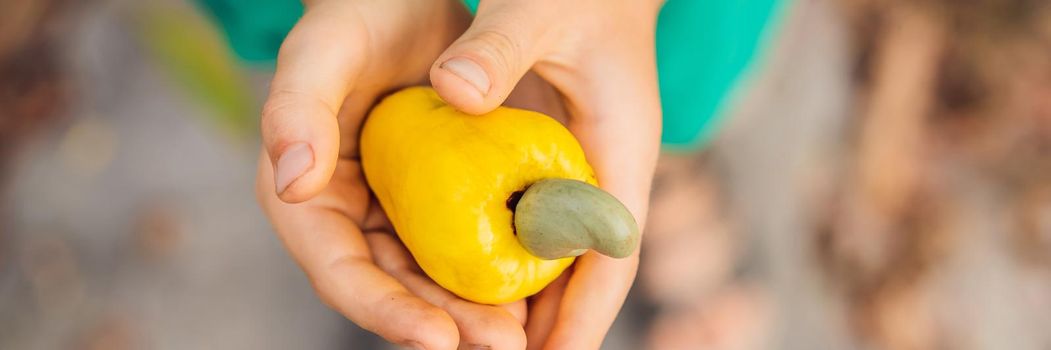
(599, 54)
(338, 60)
(341, 56)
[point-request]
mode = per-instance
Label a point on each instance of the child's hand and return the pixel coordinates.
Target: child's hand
(600, 56)
(343, 54)
(331, 69)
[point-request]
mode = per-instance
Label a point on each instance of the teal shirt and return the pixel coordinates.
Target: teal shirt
(705, 48)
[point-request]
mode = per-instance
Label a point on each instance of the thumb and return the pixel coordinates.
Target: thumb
(478, 71)
(299, 122)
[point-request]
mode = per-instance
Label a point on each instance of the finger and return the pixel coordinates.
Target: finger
(479, 70)
(518, 310)
(480, 326)
(616, 117)
(543, 311)
(314, 74)
(377, 221)
(593, 297)
(323, 237)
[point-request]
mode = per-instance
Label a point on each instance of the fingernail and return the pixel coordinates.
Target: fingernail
(296, 160)
(480, 347)
(415, 345)
(469, 71)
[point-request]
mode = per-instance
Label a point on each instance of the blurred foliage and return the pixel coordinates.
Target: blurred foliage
(192, 51)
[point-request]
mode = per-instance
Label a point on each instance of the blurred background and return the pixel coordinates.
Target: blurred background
(882, 181)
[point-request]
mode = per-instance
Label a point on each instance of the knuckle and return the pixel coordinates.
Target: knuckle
(513, 338)
(284, 105)
(325, 295)
(501, 48)
(328, 300)
(326, 288)
(496, 331)
(281, 102)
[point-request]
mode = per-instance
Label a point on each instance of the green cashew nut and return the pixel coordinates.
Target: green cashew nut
(559, 218)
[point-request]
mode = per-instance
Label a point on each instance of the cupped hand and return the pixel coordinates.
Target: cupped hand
(599, 54)
(343, 55)
(335, 63)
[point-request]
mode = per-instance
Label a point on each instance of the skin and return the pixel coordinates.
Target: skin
(344, 54)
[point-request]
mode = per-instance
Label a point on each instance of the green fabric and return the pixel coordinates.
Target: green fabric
(255, 28)
(704, 49)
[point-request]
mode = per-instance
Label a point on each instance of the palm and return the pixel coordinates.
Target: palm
(344, 55)
(364, 236)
